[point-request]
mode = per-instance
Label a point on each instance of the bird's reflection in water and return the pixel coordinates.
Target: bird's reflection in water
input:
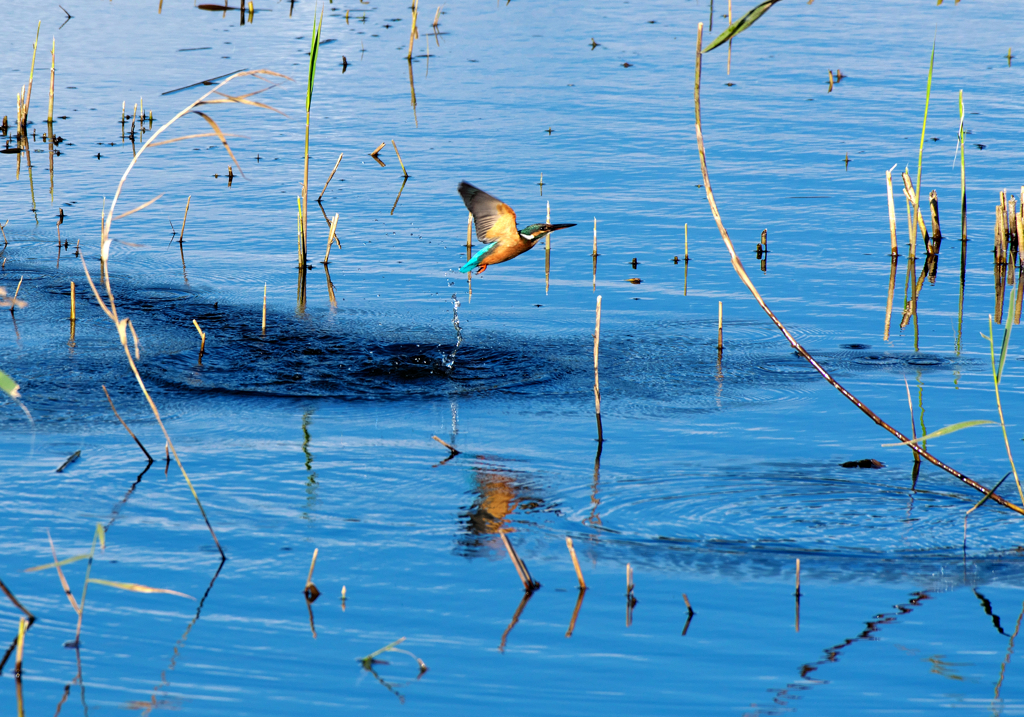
(499, 492)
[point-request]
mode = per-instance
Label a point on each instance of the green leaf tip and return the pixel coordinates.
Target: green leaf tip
(9, 386)
(946, 430)
(740, 25)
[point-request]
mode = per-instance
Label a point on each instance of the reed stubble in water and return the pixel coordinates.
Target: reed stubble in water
(597, 378)
(741, 272)
(894, 247)
(547, 253)
(330, 177)
(529, 584)
(575, 563)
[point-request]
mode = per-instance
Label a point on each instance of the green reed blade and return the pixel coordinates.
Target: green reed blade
(740, 25)
(8, 385)
(314, 49)
(924, 126)
(944, 431)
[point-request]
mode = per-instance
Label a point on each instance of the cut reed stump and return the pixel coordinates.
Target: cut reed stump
(894, 248)
(529, 584)
(933, 202)
(597, 379)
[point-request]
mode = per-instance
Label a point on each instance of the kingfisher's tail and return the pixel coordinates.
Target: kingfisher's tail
(477, 258)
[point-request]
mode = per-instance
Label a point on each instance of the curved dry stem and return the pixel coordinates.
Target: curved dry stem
(105, 245)
(741, 272)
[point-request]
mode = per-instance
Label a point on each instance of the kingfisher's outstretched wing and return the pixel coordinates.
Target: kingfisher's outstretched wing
(494, 219)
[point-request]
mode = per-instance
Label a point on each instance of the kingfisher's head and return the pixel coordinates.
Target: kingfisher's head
(535, 231)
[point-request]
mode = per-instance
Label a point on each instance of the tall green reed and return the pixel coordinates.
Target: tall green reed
(314, 49)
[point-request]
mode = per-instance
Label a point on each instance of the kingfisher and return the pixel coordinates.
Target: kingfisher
(496, 228)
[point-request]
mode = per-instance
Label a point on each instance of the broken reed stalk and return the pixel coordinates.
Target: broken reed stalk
(719, 327)
(310, 591)
(741, 272)
(892, 213)
(547, 253)
(202, 340)
(797, 593)
(22, 626)
(686, 243)
(14, 302)
(181, 235)
(451, 449)
(413, 31)
(264, 330)
(933, 204)
(53, 69)
(330, 239)
(575, 563)
(400, 162)
(529, 584)
(597, 380)
(118, 415)
(594, 257)
(330, 177)
(72, 302)
(963, 175)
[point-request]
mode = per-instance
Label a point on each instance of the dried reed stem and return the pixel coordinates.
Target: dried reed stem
(575, 563)
(686, 243)
(454, 451)
(892, 212)
(330, 177)
(202, 338)
(72, 302)
(413, 31)
(181, 235)
(404, 173)
(529, 584)
(264, 330)
(547, 254)
(741, 272)
(797, 593)
(310, 590)
(719, 327)
(22, 626)
(330, 239)
(597, 381)
(53, 69)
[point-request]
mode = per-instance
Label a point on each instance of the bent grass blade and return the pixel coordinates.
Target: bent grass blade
(740, 25)
(944, 431)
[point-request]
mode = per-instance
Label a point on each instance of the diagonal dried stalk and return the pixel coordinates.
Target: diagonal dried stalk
(108, 304)
(741, 272)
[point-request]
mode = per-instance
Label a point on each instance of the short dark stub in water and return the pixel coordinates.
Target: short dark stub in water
(865, 463)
